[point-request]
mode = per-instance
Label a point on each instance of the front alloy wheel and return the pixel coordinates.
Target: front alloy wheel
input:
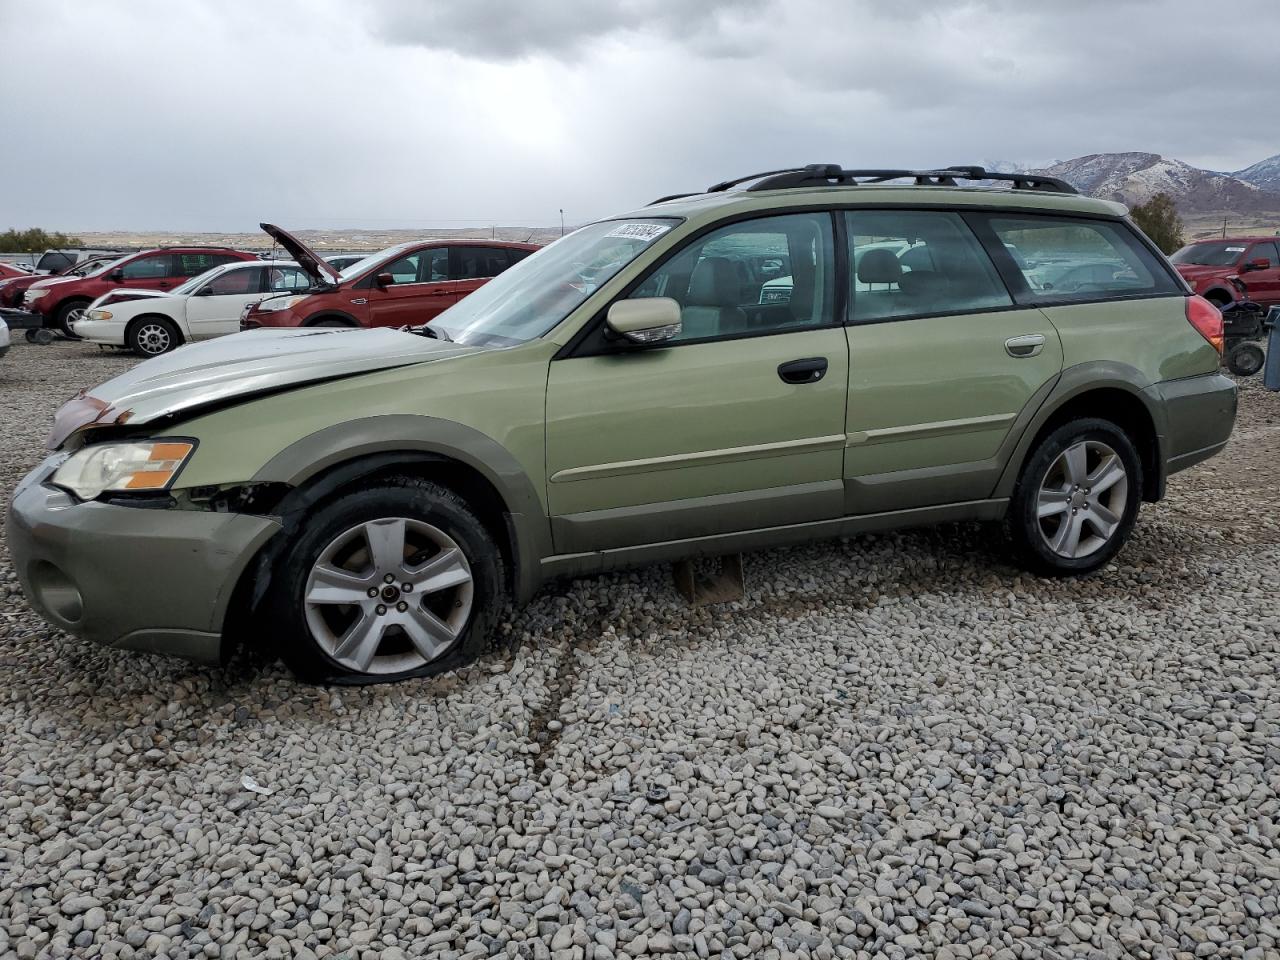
(389, 595)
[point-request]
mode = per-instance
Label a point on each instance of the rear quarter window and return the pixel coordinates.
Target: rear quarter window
(1068, 260)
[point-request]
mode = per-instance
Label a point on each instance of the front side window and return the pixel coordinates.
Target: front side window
(403, 270)
(1069, 259)
(1263, 251)
(729, 282)
(435, 265)
(911, 263)
(153, 267)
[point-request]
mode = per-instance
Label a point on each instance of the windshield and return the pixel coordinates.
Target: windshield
(530, 298)
(1220, 253)
(364, 263)
(110, 265)
(190, 286)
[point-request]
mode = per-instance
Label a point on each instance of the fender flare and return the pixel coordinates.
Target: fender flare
(328, 313)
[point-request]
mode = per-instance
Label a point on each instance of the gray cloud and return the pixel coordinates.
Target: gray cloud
(326, 113)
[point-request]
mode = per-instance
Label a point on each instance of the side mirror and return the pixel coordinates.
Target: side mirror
(1262, 263)
(205, 291)
(648, 320)
(117, 276)
(385, 280)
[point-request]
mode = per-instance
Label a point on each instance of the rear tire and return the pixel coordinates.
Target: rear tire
(152, 336)
(67, 314)
(1076, 499)
(434, 572)
(1245, 359)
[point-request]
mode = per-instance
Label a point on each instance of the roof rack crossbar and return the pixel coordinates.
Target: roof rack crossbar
(827, 174)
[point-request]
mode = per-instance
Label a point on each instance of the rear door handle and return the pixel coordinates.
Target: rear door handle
(1029, 345)
(808, 370)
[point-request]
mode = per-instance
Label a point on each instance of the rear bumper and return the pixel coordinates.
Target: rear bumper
(156, 580)
(1199, 415)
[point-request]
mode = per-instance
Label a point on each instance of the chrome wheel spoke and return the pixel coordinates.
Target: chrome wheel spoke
(1075, 463)
(1110, 472)
(360, 643)
(446, 569)
(330, 584)
(386, 544)
(1052, 503)
(1103, 520)
(1067, 540)
(429, 634)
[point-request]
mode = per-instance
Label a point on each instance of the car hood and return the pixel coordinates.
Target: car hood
(240, 366)
(316, 266)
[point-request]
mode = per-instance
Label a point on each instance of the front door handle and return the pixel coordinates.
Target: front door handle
(809, 370)
(1029, 345)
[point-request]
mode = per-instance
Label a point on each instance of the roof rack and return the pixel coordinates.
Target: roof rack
(833, 175)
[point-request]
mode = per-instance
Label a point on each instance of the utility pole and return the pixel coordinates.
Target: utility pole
(562, 221)
(1224, 228)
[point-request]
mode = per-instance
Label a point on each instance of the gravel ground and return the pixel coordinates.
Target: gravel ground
(894, 746)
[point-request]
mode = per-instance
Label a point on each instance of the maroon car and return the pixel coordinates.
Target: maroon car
(408, 284)
(12, 290)
(1219, 269)
(60, 300)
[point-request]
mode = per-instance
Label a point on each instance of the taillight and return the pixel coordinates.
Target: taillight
(1207, 319)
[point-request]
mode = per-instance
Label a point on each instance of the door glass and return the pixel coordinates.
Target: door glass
(911, 263)
(1264, 251)
(479, 263)
(148, 268)
(759, 276)
(194, 264)
(287, 279)
(235, 282)
(1080, 260)
(435, 265)
(404, 270)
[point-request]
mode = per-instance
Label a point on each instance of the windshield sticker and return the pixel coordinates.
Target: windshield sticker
(1235, 249)
(639, 231)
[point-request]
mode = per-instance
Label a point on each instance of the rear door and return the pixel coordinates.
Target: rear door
(419, 289)
(473, 266)
(214, 308)
(942, 363)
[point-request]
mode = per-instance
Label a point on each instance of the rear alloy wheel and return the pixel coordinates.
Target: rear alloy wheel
(67, 315)
(152, 336)
(1245, 359)
(397, 581)
(1077, 498)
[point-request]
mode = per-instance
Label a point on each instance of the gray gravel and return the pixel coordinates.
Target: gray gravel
(895, 746)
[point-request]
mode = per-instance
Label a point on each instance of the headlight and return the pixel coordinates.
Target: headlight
(98, 314)
(93, 470)
(35, 294)
(277, 303)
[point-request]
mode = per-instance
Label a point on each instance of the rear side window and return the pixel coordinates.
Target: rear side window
(910, 263)
(194, 264)
(478, 263)
(287, 278)
(1064, 259)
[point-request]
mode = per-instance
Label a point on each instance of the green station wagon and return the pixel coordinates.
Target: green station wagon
(803, 354)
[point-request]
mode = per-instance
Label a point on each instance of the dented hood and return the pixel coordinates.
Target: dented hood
(240, 366)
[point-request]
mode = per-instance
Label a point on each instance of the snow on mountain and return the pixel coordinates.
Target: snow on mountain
(1134, 178)
(1264, 174)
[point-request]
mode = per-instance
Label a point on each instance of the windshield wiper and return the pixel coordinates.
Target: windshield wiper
(426, 330)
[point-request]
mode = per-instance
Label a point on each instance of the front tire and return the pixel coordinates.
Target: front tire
(67, 314)
(152, 336)
(1076, 499)
(399, 580)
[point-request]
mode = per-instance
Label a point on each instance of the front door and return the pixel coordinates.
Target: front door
(1263, 285)
(942, 362)
(156, 271)
(215, 307)
(737, 423)
(419, 292)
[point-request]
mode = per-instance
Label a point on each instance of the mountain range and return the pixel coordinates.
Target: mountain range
(1250, 194)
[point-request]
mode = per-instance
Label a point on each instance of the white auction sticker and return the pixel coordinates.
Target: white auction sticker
(1235, 249)
(639, 231)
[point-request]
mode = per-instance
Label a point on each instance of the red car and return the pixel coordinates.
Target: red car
(9, 272)
(60, 300)
(411, 283)
(1217, 269)
(12, 291)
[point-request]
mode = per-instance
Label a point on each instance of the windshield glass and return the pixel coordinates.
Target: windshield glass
(1220, 253)
(529, 299)
(110, 265)
(190, 286)
(363, 264)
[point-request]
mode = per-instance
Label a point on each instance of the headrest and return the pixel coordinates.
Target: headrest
(714, 284)
(879, 266)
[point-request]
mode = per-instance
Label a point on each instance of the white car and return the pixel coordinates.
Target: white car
(4, 338)
(152, 322)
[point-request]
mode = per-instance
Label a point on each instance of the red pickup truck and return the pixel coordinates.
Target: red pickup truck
(1217, 269)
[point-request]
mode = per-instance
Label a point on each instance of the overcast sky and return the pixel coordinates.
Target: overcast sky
(194, 115)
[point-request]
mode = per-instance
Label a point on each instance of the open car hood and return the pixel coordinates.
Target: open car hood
(320, 270)
(240, 366)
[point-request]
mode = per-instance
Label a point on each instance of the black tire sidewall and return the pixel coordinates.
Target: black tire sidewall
(62, 319)
(1245, 349)
(416, 499)
(1023, 523)
(131, 335)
